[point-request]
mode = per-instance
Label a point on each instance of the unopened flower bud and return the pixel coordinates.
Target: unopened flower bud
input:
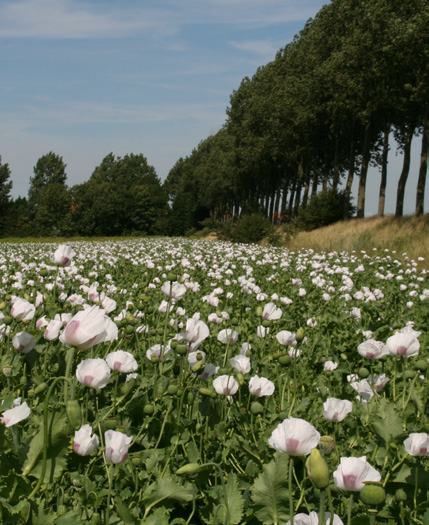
(7, 371)
(317, 469)
(188, 470)
(300, 335)
(256, 408)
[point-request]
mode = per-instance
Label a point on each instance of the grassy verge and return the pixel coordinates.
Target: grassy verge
(407, 235)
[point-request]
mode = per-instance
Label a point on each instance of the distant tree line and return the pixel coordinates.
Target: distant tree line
(123, 196)
(307, 123)
(317, 117)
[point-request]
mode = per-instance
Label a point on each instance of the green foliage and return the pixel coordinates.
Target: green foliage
(269, 491)
(323, 209)
(252, 229)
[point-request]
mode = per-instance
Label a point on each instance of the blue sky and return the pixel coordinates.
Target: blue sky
(86, 78)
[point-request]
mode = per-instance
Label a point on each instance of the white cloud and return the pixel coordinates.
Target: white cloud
(265, 50)
(73, 19)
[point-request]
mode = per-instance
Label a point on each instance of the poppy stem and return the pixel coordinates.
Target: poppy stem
(291, 509)
(349, 509)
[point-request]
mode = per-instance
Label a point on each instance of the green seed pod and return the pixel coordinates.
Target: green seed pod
(74, 414)
(363, 373)
(421, 364)
(23, 381)
(30, 393)
(43, 272)
(283, 415)
(181, 349)
(173, 344)
(317, 469)
(7, 320)
(300, 334)
(172, 276)
(285, 360)
(136, 460)
(129, 329)
(343, 357)
(148, 410)
(266, 323)
(188, 470)
(2, 305)
(234, 321)
(223, 371)
(111, 422)
(373, 494)
(409, 374)
(40, 388)
(259, 311)
(256, 408)
(172, 390)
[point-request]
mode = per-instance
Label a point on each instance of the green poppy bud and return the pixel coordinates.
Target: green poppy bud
(43, 272)
(259, 311)
(188, 470)
(256, 408)
(240, 379)
(2, 305)
(40, 388)
(400, 495)
(199, 365)
(172, 276)
(363, 373)
(190, 398)
(172, 390)
(266, 323)
(207, 392)
(317, 469)
(74, 414)
(129, 329)
(300, 334)
(173, 344)
(7, 320)
(373, 494)
(223, 371)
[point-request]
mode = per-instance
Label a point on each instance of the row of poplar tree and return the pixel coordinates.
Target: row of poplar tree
(314, 118)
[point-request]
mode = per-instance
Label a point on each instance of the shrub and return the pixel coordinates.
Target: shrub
(252, 229)
(323, 209)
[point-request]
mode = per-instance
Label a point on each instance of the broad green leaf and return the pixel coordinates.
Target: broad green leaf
(166, 489)
(57, 448)
(387, 423)
(70, 518)
(270, 493)
(159, 517)
(123, 511)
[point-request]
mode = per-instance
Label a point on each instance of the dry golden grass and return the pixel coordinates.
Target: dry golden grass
(407, 234)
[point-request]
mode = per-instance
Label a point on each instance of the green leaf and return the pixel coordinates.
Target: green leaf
(123, 511)
(70, 518)
(159, 517)
(387, 423)
(166, 489)
(270, 493)
(57, 449)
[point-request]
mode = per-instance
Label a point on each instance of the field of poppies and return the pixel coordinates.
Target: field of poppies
(171, 381)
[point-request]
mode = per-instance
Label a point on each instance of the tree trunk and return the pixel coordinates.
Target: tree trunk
(306, 189)
(284, 196)
(420, 196)
(382, 193)
(292, 196)
(336, 178)
(315, 181)
(300, 181)
(404, 174)
(350, 175)
(363, 173)
(273, 198)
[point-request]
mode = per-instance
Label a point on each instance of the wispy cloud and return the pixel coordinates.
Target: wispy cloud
(265, 50)
(73, 19)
